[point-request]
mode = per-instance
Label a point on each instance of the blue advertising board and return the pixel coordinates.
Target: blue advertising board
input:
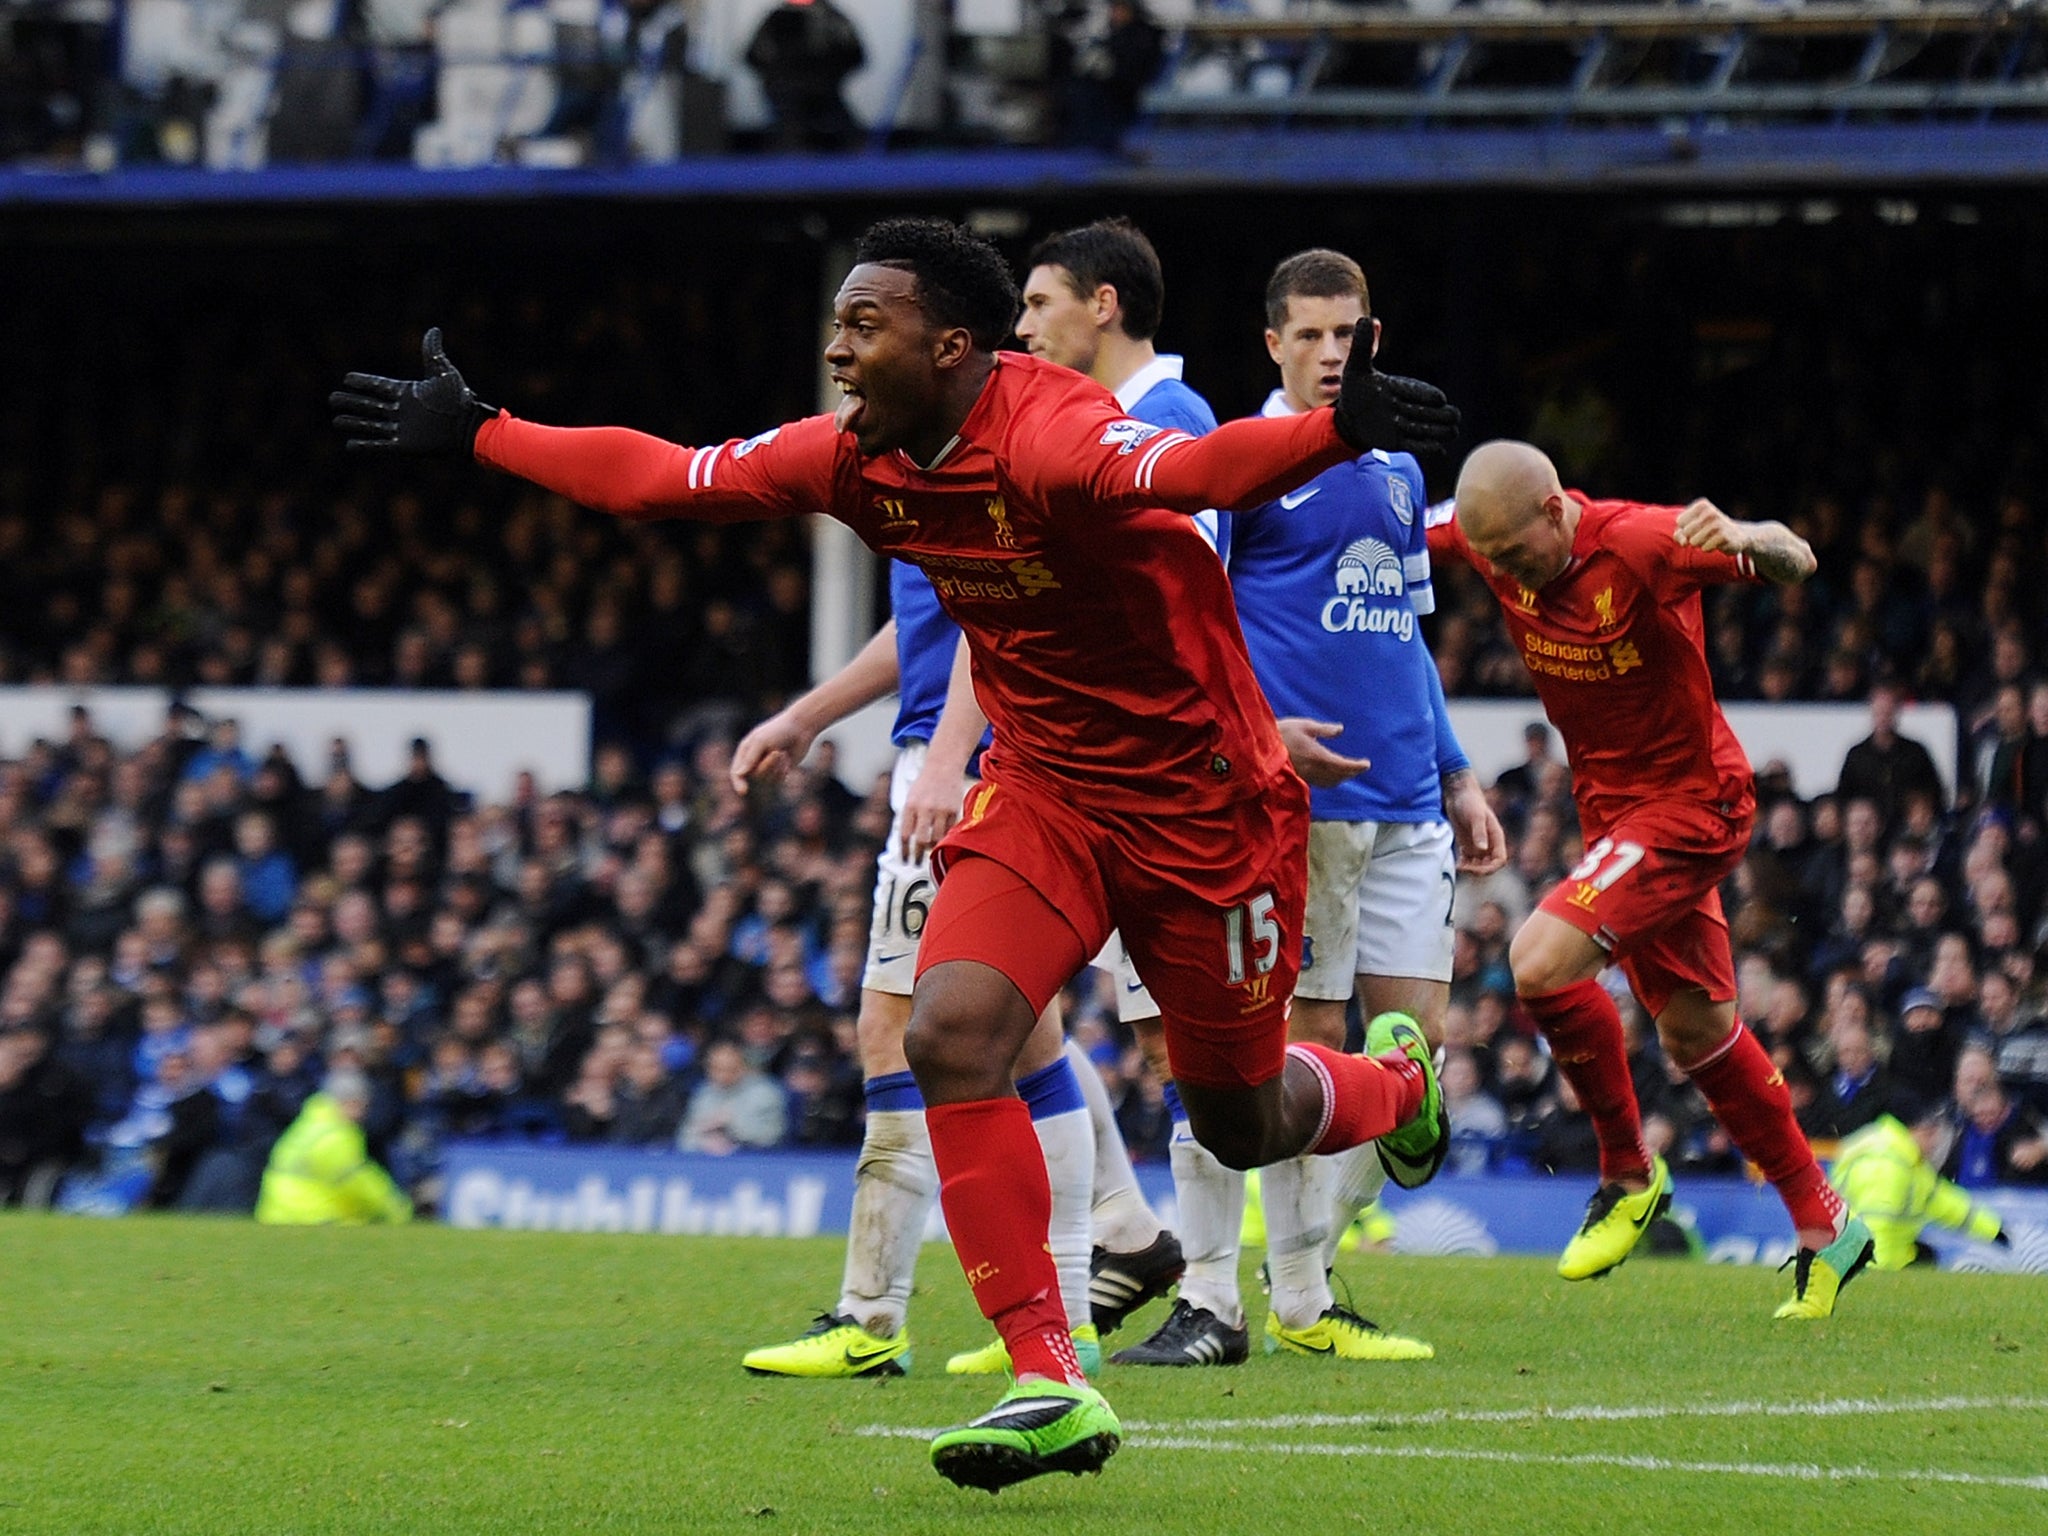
(810, 1194)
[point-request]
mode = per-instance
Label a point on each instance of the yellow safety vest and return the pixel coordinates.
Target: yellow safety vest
(321, 1172)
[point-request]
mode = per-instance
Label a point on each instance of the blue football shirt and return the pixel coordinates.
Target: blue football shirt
(1331, 580)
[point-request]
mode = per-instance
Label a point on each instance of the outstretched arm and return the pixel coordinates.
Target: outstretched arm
(1241, 465)
(642, 478)
(784, 739)
(614, 470)
(1244, 464)
(1774, 552)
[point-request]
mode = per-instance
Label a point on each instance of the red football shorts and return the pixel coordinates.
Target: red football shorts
(1209, 905)
(1648, 893)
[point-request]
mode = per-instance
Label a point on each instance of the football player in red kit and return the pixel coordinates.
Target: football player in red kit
(1137, 780)
(1602, 601)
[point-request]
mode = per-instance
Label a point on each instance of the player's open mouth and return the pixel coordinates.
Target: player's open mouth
(852, 406)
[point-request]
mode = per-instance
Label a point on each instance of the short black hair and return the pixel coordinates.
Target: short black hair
(1314, 274)
(961, 278)
(1116, 252)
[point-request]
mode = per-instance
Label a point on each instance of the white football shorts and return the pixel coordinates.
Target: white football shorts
(1379, 904)
(903, 892)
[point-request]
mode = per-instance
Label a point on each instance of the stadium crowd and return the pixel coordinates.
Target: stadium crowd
(191, 935)
(238, 84)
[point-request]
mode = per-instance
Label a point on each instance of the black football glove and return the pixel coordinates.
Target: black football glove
(1386, 411)
(436, 415)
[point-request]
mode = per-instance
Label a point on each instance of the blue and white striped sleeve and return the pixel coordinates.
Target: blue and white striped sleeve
(1415, 558)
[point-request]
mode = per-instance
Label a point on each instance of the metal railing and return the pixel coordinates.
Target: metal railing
(1823, 61)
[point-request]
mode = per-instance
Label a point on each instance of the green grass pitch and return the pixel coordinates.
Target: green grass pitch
(215, 1378)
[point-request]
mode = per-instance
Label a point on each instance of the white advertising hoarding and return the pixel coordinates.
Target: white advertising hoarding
(481, 741)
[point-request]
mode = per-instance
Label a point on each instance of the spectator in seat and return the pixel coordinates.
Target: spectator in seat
(1142, 1114)
(1860, 1089)
(735, 1106)
(1110, 73)
(1477, 1120)
(2018, 1039)
(1521, 784)
(1562, 1135)
(803, 51)
(423, 793)
(650, 1100)
(269, 880)
(1997, 1140)
(2033, 774)
(1886, 767)
(1924, 1046)
(1998, 749)
(824, 1105)
(44, 1109)
(1524, 1080)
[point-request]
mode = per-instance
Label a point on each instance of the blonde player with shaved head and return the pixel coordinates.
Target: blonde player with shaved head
(1602, 601)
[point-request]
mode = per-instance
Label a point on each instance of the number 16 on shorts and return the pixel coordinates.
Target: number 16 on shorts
(903, 907)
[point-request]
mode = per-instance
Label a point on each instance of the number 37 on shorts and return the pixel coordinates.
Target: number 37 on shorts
(1605, 862)
(1581, 897)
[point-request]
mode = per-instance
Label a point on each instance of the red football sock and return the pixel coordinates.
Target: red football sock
(1363, 1096)
(1748, 1095)
(998, 1206)
(1584, 1030)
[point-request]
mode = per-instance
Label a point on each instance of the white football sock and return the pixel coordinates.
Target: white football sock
(1069, 1144)
(1360, 1178)
(1211, 1200)
(893, 1188)
(1297, 1199)
(1123, 1222)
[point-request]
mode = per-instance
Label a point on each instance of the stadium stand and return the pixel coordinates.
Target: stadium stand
(242, 84)
(191, 930)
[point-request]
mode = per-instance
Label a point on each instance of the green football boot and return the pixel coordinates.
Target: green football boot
(1343, 1335)
(1615, 1222)
(1819, 1274)
(834, 1346)
(1037, 1427)
(1413, 1152)
(993, 1358)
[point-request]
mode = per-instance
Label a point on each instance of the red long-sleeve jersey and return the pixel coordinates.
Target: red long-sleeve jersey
(1055, 531)
(1616, 647)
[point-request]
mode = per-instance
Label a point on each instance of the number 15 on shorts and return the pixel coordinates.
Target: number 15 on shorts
(1257, 916)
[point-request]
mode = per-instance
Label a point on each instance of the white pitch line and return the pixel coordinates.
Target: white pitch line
(1798, 1471)
(1823, 1408)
